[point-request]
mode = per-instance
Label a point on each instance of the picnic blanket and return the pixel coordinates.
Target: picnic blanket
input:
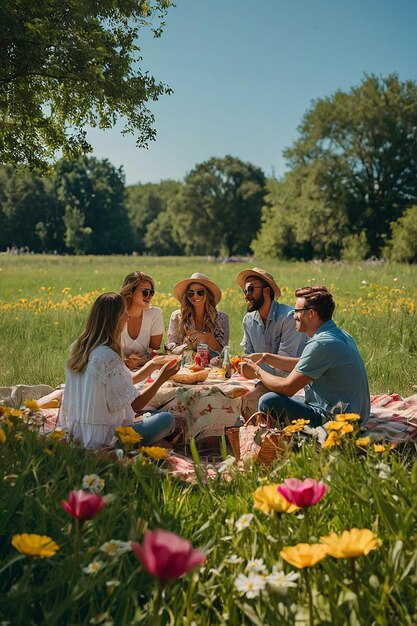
(392, 418)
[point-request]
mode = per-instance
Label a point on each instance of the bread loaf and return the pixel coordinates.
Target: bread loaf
(188, 377)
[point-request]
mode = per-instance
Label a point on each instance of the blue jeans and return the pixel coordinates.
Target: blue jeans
(154, 427)
(285, 409)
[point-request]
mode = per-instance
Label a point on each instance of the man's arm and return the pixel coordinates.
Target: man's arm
(284, 363)
(285, 386)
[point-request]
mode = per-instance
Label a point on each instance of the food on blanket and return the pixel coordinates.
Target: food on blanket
(187, 376)
(235, 361)
(195, 367)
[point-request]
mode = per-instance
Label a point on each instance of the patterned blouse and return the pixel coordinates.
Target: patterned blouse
(221, 331)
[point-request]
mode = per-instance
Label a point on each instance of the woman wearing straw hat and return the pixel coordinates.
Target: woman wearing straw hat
(198, 320)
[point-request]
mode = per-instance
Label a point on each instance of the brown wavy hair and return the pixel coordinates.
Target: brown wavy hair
(318, 297)
(101, 329)
(186, 318)
(131, 282)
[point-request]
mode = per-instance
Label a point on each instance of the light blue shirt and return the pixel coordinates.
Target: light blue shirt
(277, 335)
(340, 384)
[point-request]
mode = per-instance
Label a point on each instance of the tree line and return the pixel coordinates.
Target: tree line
(350, 192)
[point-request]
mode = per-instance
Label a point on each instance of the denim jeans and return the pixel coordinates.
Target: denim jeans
(154, 427)
(285, 409)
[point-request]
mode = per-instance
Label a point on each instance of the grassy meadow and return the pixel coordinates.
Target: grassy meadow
(44, 301)
(266, 563)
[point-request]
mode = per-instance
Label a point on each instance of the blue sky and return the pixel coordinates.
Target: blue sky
(244, 73)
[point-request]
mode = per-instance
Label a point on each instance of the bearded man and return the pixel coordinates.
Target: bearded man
(268, 326)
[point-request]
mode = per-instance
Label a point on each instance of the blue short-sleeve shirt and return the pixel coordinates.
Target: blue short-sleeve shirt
(340, 384)
(277, 336)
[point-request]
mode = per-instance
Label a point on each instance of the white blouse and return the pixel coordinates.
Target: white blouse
(98, 399)
(152, 324)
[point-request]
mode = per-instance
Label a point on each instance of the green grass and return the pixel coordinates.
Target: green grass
(35, 347)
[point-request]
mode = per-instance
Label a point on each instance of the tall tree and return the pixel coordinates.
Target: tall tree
(64, 65)
(218, 209)
(359, 152)
(92, 193)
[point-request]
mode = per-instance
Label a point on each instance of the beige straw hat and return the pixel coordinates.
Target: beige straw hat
(241, 279)
(181, 287)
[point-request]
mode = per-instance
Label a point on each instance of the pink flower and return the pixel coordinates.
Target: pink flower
(166, 555)
(83, 505)
(303, 493)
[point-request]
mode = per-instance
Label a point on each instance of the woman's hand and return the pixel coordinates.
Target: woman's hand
(132, 361)
(196, 336)
(169, 369)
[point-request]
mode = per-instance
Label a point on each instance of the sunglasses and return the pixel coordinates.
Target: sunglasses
(199, 292)
(250, 289)
(147, 293)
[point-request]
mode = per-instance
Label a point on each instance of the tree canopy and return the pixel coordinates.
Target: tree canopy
(353, 169)
(64, 65)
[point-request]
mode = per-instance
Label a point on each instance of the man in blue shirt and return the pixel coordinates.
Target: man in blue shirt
(330, 367)
(268, 325)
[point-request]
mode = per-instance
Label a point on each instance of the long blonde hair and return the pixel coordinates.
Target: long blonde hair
(101, 329)
(186, 319)
(131, 282)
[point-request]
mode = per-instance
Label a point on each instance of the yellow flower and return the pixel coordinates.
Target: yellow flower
(379, 447)
(2, 436)
(351, 543)
(363, 442)
(32, 405)
(333, 425)
(57, 434)
(16, 413)
(35, 545)
(348, 417)
(269, 500)
(127, 434)
(332, 440)
(6, 421)
(293, 428)
(155, 452)
(304, 554)
(347, 428)
(300, 422)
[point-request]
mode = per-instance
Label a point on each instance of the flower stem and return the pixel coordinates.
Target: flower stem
(77, 539)
(310, 597)
(354, 579)
(156, 620)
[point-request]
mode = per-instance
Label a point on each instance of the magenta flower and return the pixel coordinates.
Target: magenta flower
(83, 505)
(303, 493)
(166, 555)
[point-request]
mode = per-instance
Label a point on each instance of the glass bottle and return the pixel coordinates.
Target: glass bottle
(226, 362)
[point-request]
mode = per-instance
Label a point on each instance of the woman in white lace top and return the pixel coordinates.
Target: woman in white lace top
(100, 392)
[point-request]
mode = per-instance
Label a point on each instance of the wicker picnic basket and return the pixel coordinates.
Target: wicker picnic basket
(273, 443)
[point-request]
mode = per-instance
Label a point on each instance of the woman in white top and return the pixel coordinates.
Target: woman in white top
(99, 390)
(145, 326)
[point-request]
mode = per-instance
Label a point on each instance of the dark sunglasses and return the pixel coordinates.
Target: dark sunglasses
(199, 292)
(147, 293)
(250, 289)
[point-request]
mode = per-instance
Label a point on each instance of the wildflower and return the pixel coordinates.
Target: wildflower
(304, 554)
(83, 505)
(226, 465)
(379, 447)
(250, 586)
(2, 436)
(351, 543)
(35, 545)
(256, 565)
(333, 425)
(57, 435)
(93, 483)
(302, 493)
(347, 428)
(300, 422)
(347, 417)
(234, 559)
(332, 440)
(363, 442)
(115, 547)
(109, 498)
(384, 470)
(269, 500)
(32, 405)
(277, 579)
(243, 521)
(293, 428)
(166, 555)
(93, 567)
(127, 435)
(112, 584)
(155, 452)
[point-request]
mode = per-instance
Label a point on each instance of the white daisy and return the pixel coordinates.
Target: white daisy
(93, 483)
(114, 547)
(250, 586)
(277, 579)
(234, 559)
(256, 565)
(93, 567)
(243, 521)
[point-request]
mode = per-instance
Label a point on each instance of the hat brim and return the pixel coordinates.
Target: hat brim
(181, 287)
(241, 279)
